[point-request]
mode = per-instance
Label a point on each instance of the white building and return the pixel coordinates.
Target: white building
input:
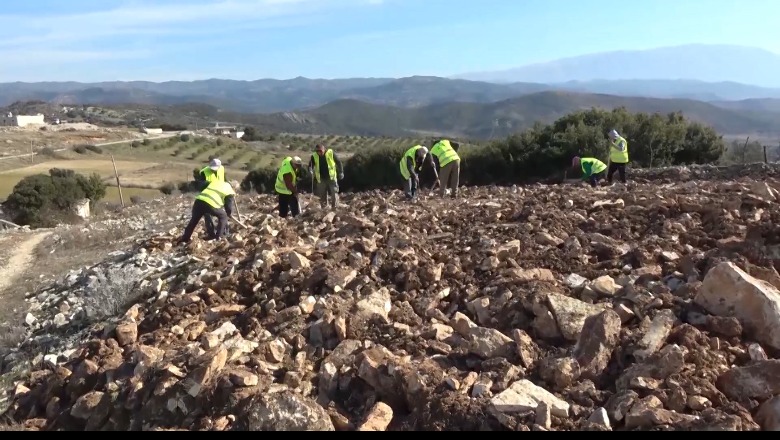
(9, 120)
(152, 130)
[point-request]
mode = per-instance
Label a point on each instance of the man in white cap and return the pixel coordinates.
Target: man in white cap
(214, 171)
(211, 173)
(287, 186)
(215, 200)
(618, 156)
(411, 166)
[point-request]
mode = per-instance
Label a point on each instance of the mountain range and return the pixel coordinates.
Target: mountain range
(500, 103)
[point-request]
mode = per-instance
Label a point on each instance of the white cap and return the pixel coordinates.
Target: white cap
(215, 164)
(613, 133)
(424, 150)
(297, 160)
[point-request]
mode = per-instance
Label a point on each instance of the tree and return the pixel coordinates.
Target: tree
(42, 200)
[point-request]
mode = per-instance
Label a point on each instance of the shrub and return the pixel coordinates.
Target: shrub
(136, 144)
(537, 153)
(145, 142)
(184, 138)
(135, 200)
(168, 188)
(40, 199)
(94, 149)
(80, 149)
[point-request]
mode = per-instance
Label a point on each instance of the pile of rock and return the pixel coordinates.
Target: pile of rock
(514, 309)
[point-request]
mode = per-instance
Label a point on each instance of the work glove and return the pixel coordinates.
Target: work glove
(341, 176)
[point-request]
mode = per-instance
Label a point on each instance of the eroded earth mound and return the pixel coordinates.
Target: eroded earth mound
(534, 308)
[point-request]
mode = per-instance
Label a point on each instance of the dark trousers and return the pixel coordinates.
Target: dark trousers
(594, 178)
(199, 210)
(411, 188)
(210, 222)
(620, 168)
(288, 203)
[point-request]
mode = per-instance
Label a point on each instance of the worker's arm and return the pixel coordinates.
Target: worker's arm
(429, 159)
(288, 182)
(229, 204)
(410, 167)
(311, 163)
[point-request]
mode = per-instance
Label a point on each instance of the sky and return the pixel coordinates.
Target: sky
(161, 40)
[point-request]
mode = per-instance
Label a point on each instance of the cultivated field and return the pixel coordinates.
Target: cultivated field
(145, 165)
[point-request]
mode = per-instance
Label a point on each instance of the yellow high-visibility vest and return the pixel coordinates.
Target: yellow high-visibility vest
(410, 153)
(286, 168)
(212, 175)
(331, 165)
(618, 150)
(215, 194)
(444, 152)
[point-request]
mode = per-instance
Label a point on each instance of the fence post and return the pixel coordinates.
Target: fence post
(118, 185)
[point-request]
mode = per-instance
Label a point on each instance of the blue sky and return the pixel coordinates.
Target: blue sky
(158, 40)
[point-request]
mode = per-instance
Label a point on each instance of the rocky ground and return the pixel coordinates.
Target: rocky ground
(536, 308)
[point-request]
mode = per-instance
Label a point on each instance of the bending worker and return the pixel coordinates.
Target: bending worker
(324, 173)
(449, 165)
(411, 165)
(592, 169)
(214, 171)
(287, 186)
(217, 200)
(618, 156)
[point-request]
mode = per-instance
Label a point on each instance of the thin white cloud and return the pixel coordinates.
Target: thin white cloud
(44, 38)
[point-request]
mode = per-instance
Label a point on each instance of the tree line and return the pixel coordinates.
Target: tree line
(541, 152)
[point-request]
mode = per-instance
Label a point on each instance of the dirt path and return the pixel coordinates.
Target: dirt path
(22, 256)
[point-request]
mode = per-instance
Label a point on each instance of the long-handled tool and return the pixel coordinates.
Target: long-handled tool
(239, 222)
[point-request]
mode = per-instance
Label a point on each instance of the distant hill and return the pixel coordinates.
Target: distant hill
(498, 119)
(710, 63)
(269, 96)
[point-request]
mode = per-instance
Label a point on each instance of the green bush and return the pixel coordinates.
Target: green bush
(540, 152)
(184, 137)
(43, 200)
(94, 149)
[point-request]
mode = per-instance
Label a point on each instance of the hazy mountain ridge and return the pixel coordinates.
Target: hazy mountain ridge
(709, 63)
(268, 96)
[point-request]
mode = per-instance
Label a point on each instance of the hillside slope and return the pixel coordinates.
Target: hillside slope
(509, 314)
(500, 118)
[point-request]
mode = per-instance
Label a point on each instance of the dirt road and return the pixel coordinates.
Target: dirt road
(21, 257)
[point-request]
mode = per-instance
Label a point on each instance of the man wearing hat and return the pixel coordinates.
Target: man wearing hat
(215, 200)
(214, 172)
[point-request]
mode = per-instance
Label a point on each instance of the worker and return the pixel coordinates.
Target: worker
(411, 165)
(592, 169)
(217, 200)
(324, 173)
(618, 156)
(449, 165)
(287, 186)
(213, 171)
